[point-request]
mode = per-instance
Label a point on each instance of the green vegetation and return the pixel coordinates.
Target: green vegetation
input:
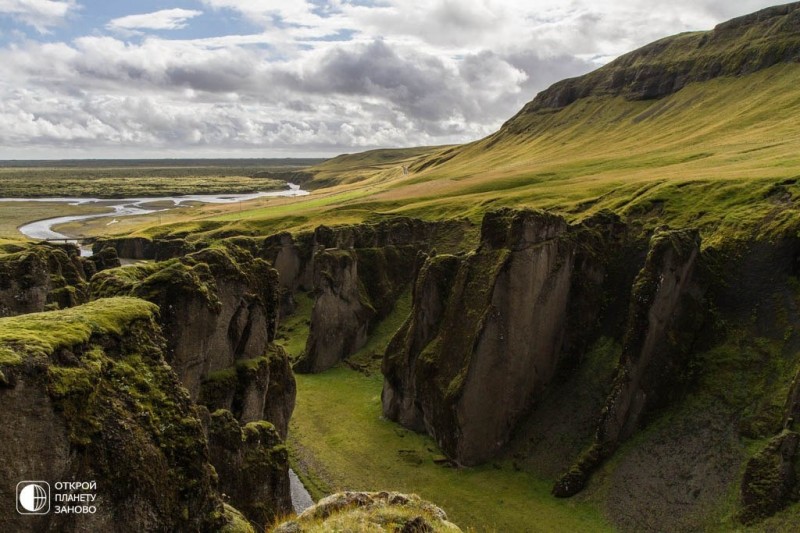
(337, 427)
(683, 160)
(40, 334)
(369, 358)
(127, 419)
(235, 522)
(293, 330)
(371, 512)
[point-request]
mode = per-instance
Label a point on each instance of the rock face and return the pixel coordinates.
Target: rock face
(341, 315)
(371, 511)
(218, 309)
(292, 258)
(251, 463)
(501, 322)
(495, 320)
(359, 272)
(95, 401)
(665, 314)
(144, 248)
(34, 277)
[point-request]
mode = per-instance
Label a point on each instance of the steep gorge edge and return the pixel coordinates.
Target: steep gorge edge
(217, 314)
(616, 331)
(201, 395)
(499, 338)
(518, 319)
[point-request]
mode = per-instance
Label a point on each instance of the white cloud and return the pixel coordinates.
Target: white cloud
(40, 14)
(397, 73)
(166, 19)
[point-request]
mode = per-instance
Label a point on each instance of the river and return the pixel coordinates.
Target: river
(301, 499)
(125, 207)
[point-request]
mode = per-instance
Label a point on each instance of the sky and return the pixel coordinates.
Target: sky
(299, 78)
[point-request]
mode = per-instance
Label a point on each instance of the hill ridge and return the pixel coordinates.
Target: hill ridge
(739, 46)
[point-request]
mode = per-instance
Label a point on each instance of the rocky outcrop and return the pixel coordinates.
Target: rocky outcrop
(292, 258)
(250, 461)
(261, 388)
(94, 401)
(359, 272)
(105, 259)
(371, 511)
(494, 320)
(35, 277)
(341, 315)
(770, 478)
(146, 248)
(664, 317)
(216, 309)
(503, 321)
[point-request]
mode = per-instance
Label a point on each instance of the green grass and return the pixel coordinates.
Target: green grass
(368, 359)
(719, 155)
(293, 330)
(40, 334)
(337, 423)
(340, 441)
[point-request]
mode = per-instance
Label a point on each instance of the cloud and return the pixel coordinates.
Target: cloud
(39, 14)
(313, 77)
(166, 19)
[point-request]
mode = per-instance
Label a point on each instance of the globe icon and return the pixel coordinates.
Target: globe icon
(33, 498)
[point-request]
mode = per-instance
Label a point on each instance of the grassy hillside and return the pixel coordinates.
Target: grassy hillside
(696, 129)
(722, 155)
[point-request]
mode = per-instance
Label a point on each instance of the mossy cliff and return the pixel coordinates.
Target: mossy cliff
(218, 308)
(251, 463)
(664, 316)
(146, 248)
(662, 366)
(359, 273)
(35, 277)
(96, 401)
(492, 322)
(734, 48)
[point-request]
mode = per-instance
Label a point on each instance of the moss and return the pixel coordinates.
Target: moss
(769, 478)
(217, 389)
(130, 424)
(41, 334)
(235, 522)
(252, 464)
(466, 310)
(377, 511)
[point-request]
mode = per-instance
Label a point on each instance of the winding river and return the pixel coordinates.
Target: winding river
(124, 207)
